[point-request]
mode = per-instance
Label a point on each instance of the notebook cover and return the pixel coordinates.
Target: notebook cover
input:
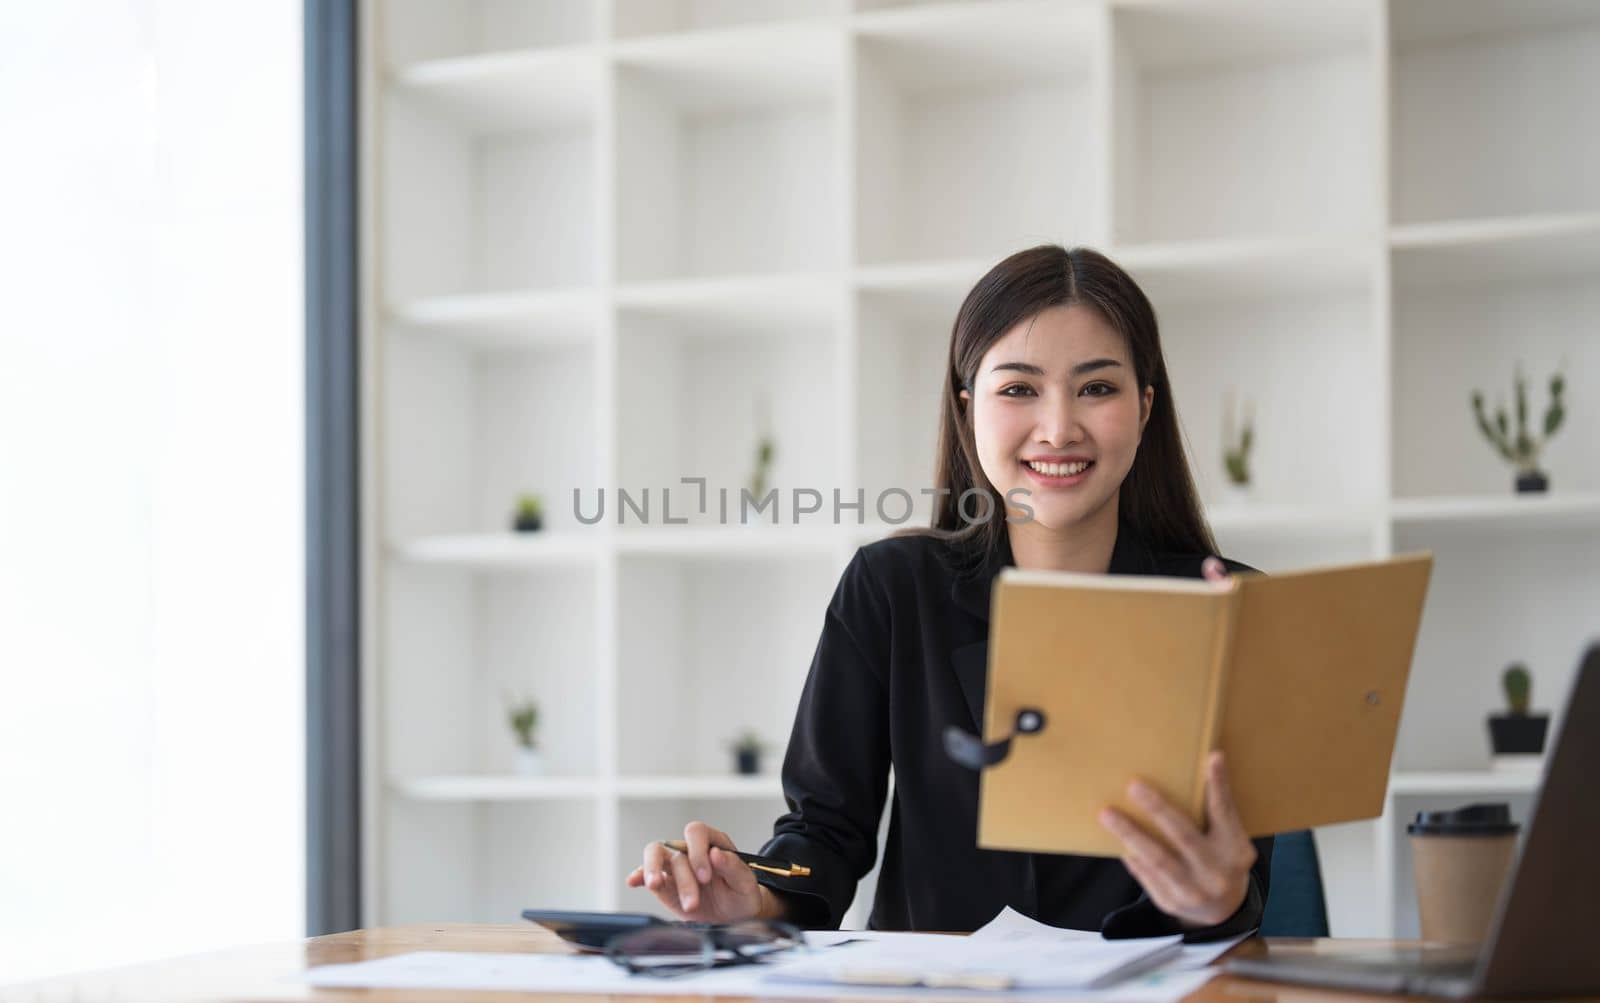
(1301, 685)
(1124, 678)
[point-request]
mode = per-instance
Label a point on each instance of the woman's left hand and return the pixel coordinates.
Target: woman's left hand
(1203, 877)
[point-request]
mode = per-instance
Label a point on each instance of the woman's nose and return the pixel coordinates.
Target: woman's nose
(1058, 423)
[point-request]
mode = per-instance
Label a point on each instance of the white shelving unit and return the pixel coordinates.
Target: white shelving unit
(609, 241)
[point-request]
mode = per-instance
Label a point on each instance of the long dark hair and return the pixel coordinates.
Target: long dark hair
(1158, 498)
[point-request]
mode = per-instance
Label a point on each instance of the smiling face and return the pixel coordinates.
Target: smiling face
(1056, 409)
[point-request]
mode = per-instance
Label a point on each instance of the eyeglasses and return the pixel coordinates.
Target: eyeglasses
(682, 948)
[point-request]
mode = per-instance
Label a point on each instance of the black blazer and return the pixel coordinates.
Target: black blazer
(904, 653)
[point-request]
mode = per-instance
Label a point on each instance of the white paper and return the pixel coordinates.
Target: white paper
(1016, 959)
(574, 973)
(1015, 926)
(587, 973)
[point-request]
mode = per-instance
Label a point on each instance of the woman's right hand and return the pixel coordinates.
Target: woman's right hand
(708, 884)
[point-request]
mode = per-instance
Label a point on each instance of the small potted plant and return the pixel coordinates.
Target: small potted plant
(1522, 450)
(766, 451)
(1236, 450)
(524, 718)
(747, 749)
(529, 517)
(1517, 737)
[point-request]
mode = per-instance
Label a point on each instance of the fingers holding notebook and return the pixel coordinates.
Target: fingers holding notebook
(1198, 877)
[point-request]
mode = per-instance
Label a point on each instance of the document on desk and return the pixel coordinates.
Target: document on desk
(1015, 926)
(590, 974)
(1017, 959)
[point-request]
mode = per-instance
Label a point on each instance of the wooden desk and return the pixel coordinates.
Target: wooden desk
(261, 973)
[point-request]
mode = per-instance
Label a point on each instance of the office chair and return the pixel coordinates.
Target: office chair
(1295, 903)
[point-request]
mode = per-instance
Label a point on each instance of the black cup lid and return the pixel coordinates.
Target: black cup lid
(1473, 820)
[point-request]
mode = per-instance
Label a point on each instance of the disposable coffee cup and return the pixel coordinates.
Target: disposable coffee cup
(1461, 859)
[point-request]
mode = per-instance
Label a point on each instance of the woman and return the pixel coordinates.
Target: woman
(1059, 449)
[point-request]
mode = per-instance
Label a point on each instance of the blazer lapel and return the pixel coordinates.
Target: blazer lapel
(971, 592)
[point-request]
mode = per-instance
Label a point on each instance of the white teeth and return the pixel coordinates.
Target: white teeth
(1059, 469)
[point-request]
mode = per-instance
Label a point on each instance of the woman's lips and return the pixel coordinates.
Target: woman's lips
(1057, 482)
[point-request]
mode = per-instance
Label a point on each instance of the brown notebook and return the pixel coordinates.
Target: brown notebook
(1299, 678)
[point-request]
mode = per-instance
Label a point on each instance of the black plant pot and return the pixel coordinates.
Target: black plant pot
(528, 523)
(749, 762)
(1532, 482)
(1517, 734)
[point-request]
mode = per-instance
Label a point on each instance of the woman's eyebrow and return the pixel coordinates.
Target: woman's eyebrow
(1078, 370)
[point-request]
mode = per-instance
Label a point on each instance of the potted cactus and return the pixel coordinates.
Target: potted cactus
(529, 517)
(1517, 736)
(747, 749)
(1236, 449)
(524, 718)
(1522, 450)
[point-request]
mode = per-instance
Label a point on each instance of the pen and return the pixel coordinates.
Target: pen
(756, 862)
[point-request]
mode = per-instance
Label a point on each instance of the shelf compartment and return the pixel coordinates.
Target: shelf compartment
(695, 401)
(636, 18)
(951, 158)
(1477, 89)
(418, 30)
(457, 647)
(467, 433)
(489, 182)
(1208, 142)
(1306, 364)
(903, 339)
(1493, 599)
(727, 153)
(1452, 339)
(709, 649)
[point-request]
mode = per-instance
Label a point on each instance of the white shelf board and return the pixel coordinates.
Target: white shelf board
(747, 67)
(764, 787)
(1165, 34)
(506, 320)
(739, 303)
(732, 541)
(1441, 21)
(1551, 511)
(1467, 782)
(510, 91)
(923, 276)
(965, 46)
(1291, 520)
(1514, 248)
(502, 550)
(493, 787)
(1210, 270)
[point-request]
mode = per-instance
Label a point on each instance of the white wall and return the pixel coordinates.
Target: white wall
(151, 457)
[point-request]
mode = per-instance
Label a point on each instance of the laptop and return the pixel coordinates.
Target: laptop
(1542, 941)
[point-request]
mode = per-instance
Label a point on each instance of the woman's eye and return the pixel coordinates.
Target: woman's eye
(1101, 389)
(1021, 389)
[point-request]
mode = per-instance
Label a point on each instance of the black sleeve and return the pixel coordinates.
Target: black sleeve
(1143, 919)
(836, 769)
